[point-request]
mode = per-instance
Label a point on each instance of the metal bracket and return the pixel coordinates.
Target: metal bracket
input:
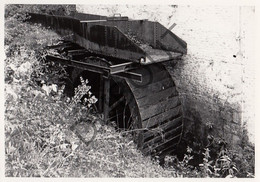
(120, 70)
(118, 17)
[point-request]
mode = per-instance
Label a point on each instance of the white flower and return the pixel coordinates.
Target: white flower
(24, 67)
(74, 146)
(54, 87)
(47, 89)
(93, 100)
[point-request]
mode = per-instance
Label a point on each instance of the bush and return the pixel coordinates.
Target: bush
(18, 11)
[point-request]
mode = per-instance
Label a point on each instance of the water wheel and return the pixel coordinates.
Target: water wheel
(151, 108)
(159, 110)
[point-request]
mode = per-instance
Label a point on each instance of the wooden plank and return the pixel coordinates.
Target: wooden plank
(153, 87)
(148, 77)
(173, 123)
(166, 136)
(155, 120)
(166, 150)
(155, 68)
(150, 74)
(174, 140)
(91, 21)
(173, 130)
(152, 110)
(155, 98)
(157, 55)
(101, 93)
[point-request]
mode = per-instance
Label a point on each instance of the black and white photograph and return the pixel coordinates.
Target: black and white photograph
(128, 90)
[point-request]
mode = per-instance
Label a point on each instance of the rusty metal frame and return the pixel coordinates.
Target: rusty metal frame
(120, 70)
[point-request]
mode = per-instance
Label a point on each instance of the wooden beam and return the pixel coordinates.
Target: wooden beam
(101, 93)
(106, 98)
(114, 105)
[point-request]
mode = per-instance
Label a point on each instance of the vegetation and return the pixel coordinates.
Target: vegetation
(48, 134)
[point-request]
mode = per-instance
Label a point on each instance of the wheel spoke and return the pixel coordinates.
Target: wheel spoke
(124, 124)
(115, 104)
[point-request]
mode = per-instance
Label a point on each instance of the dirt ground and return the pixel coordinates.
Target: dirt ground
(216, 77)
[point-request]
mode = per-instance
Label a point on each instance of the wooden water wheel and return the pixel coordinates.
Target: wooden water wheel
(150, 108)
(159, 110)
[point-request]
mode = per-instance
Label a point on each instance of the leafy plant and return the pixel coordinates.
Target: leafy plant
(206, 167)
(182, 167)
